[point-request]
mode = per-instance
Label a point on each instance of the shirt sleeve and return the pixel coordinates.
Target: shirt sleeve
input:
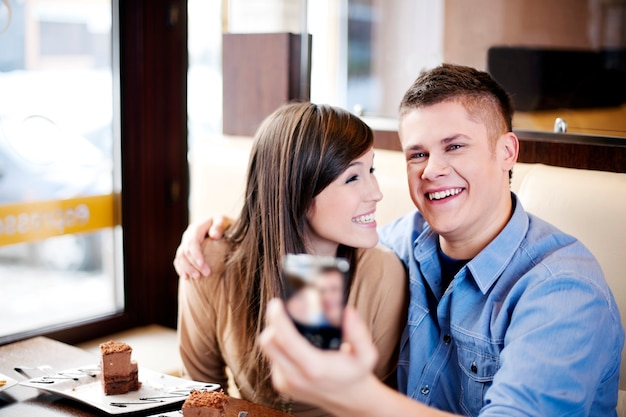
(556, 352)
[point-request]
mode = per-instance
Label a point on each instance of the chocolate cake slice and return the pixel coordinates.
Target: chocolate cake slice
(119, 373)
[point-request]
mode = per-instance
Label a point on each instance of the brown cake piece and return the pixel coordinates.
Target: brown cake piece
(205, 404)
(119, 372)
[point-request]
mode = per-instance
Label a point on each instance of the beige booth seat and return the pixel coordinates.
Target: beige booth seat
(590, 205)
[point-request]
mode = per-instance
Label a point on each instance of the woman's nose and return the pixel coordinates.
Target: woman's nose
(374, 192)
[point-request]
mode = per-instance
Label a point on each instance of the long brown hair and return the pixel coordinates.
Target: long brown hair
(298, 151)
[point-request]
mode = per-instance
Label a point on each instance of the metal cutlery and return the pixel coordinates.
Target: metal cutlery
(46, 370)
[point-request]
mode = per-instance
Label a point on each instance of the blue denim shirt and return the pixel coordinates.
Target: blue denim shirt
(528, 327)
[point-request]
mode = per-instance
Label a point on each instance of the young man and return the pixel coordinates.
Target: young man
(508, 316)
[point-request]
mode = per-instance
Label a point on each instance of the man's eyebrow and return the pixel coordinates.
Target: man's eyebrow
(415, 147)
(451, 138)
(444, 141)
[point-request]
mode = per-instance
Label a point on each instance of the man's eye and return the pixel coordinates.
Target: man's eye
(455, 146)
(417, 155)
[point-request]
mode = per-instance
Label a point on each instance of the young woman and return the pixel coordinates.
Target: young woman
(310, 189)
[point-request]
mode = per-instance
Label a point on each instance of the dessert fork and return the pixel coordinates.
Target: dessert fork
(45, 369)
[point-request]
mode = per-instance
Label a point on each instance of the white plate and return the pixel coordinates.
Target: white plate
(84, 385)
(8, 382)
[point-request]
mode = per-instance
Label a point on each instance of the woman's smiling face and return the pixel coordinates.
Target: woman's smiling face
(344, 212)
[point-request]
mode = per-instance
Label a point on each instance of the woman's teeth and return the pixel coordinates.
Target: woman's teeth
(367, 218)
(443, 194)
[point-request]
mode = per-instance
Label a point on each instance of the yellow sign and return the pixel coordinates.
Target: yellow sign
(26, 222)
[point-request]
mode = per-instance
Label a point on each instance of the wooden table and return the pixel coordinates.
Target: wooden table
(20, 401)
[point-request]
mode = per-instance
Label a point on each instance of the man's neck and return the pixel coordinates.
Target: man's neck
(470, 246)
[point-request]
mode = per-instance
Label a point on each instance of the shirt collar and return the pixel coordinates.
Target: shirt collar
(488, 265)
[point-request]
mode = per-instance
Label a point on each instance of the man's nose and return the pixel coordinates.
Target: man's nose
(435, 167)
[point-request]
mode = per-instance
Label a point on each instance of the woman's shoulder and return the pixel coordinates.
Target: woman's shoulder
(380, 260)
(379, 291)
(378, 255)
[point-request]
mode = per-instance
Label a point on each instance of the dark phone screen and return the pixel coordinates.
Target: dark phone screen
(315, 296)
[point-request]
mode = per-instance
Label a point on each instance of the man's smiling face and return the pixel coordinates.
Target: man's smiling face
(458, 175)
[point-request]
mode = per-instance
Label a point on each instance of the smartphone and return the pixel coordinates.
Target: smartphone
(315, 294)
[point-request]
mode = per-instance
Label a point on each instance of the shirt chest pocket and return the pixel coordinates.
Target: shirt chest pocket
(477, 371)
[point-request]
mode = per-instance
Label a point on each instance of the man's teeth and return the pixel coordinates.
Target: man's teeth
(443, 194)
(367, 218)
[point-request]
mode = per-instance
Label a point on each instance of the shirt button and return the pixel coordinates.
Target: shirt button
(447, 339)
(425, 390)
(474, 368)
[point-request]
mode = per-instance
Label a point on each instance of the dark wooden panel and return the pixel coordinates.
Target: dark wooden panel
(155, 183)
(261, 71)
(601, 153)
(555, 78)
(387, 139)
(573, 151)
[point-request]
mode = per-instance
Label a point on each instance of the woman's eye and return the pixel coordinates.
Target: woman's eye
(352, 178)
(372, 170)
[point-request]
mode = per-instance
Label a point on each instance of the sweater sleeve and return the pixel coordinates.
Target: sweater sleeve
(199, 303)
(380, 294)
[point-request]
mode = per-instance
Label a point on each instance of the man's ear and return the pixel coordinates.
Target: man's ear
(509, 148)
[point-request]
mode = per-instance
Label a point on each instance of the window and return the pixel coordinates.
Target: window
(58, 233)
(125, 99)
(388, 43)
(205, 70)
